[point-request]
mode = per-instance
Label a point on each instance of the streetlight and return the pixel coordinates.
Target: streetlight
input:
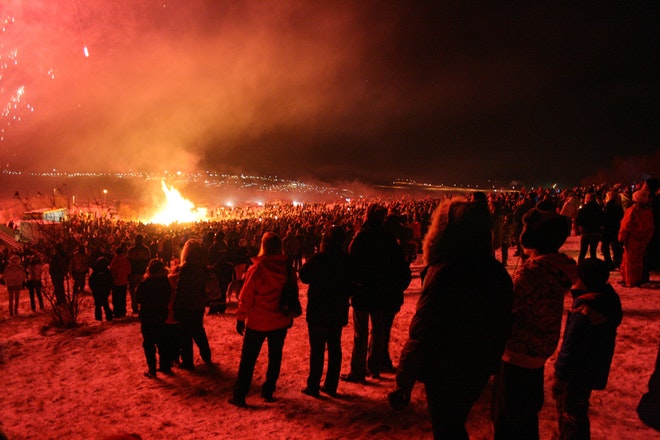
(105, 196)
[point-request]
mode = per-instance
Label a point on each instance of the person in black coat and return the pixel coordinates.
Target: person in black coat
(583, 362)
(612, 216)
(190, 304)
(100, 283)
(381, 275)
(328, 274)
(648, 409)
(462, 323)
(153, 297)
(589, 221)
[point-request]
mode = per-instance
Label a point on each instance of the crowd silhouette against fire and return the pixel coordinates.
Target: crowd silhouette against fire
(349, 254)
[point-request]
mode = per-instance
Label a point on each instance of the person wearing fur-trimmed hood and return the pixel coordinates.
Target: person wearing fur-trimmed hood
(461, 324)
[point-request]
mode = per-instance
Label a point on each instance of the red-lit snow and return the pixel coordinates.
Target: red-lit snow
(88, 383)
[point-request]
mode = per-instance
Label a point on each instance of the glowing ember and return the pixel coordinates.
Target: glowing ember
(177, 209)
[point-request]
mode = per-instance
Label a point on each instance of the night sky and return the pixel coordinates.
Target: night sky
(439, 92)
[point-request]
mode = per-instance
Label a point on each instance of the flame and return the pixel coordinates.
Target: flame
(177, 208)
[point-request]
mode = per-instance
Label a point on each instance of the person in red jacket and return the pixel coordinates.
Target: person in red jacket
(635, 233)
(259, 318)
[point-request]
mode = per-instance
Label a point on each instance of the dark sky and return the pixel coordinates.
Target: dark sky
(440, 92)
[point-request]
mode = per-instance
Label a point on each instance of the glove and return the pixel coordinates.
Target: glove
(398, 399)
(240, 327)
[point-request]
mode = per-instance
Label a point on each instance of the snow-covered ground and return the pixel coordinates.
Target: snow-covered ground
(88, 383)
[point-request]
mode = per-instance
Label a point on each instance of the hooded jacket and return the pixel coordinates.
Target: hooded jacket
(460, 326)
(589, 336)
(538, 305)
(259, 300)
(153, 296)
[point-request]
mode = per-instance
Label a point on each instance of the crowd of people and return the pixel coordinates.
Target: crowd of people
(473, 320)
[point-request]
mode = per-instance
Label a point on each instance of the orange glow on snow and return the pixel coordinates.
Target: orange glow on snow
(177, 209)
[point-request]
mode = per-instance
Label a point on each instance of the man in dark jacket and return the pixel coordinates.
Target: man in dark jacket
(583, 363)
(139, 256)
(381, 274)
(589, 222)
(328, 274)
(612, 216)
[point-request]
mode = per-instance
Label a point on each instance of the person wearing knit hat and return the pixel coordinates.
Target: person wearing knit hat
(538, 304)
(544, 231)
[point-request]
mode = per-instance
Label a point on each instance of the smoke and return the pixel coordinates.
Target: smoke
(627, 170)
(176, 85)
(334, 91)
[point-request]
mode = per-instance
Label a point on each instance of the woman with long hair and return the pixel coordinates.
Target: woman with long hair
(190, 303)
(460, 328)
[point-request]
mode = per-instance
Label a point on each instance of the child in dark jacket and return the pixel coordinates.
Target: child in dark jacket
(584, 360)
(100, 282)
(153, 297)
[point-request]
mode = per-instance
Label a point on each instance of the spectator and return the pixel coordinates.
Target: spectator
(652, 257)
(14, 276)
(258, 318)
(120, 268)
(34, 283)
(58, 265)
(570, 209)
(328, 274)
(223, 270)
(138, 255)
(394, 224)
(612, 216)
(635, 233)
(589, 222)
(100, 282)
(538, 304)
(648, 408)
(583, 362)
(459, 330)
(190, 303)
(153, 297)
(292, 247)
(79, 269)
(381, 275)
